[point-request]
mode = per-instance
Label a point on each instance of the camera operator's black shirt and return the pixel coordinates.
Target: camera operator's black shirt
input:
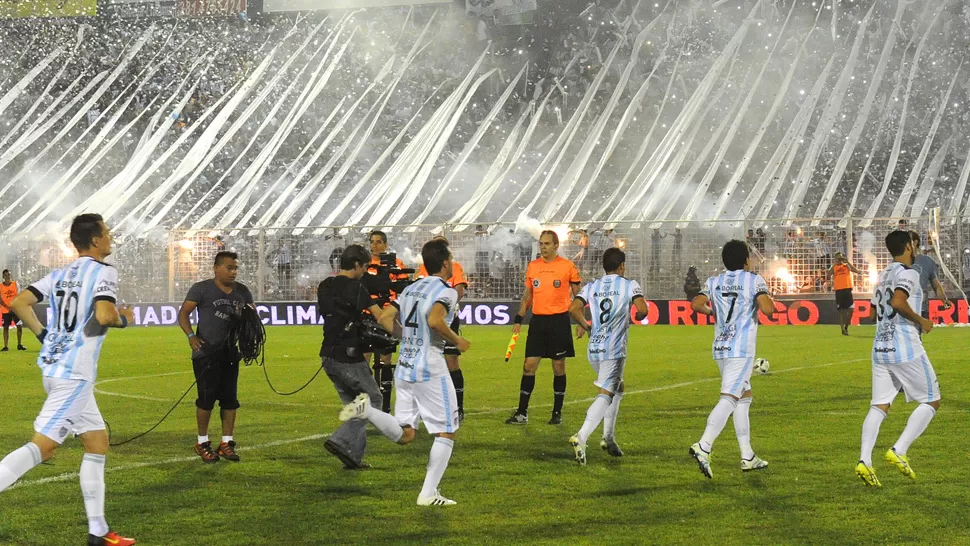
(339, 300)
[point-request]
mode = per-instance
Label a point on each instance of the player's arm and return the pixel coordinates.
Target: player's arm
(23, 307)
(106, 312)
(765, 304)
(436, 321)
(576, 313)
(387, 318)
(640, 304)
(900, 303)
(701, 304)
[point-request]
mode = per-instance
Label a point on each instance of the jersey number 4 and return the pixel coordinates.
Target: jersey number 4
(67, 311)
(412, 320)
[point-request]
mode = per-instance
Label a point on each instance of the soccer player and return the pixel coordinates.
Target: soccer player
(82, 302)
(734, 298)
(424, 388)
(459, 282)
(216, 365)
(842, 271)
(8, 291)
(550, 284)
(898, 359)
(929, 278)
(609, 298)
(384, 372)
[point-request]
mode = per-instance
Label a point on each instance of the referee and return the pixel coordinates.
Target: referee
(216, 365)
(459, 282)
(551, 282)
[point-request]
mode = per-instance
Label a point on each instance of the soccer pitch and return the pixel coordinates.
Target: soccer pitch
(513, 484)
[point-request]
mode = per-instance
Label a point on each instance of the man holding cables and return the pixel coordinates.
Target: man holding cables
(219, 301)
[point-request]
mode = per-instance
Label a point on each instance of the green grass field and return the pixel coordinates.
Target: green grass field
(513, 484)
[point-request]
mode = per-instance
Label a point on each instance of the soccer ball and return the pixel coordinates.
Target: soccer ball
(761, 366)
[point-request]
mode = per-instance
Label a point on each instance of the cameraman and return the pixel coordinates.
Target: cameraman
(341, 300)
(384, 372)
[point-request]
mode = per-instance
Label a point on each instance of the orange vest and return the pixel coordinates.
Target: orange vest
(9, 292)
(843, 277)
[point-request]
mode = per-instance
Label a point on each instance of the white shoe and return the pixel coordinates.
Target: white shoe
(755, 463)
(703, 459)
(435, 500)
(356, 409)
(579, 449)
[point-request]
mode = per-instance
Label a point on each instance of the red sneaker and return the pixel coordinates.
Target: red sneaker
(205, 451)
(227, 450)
(110, 539)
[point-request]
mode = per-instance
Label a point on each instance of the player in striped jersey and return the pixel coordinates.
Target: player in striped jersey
(424, 388)
(82, 308)
(609, 299)
(898, 359)
(734, 298)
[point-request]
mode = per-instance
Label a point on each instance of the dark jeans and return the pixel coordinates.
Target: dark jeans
(350, 379)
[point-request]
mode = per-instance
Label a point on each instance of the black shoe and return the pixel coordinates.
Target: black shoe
(339, 452)
(556, 418)
(611, 448)
(517, 419)
(21, 348)
(461, 416)
(4, 350)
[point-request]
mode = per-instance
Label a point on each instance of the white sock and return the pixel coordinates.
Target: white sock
(716, 421)
(92, 487)
(437, 463)
(203, 439)
(386, 423)
(870, 431)
(226, 439)
(594, 415)
(17, 463)
(609, 420)
(918, 421)
(742, 428)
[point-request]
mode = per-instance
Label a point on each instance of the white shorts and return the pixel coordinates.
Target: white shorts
(735, 375)
(70, 408)
(916, 378)
(609, 373)
(433, 402)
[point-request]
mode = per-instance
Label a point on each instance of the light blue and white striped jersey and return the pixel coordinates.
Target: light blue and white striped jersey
(897, 338)
(421, 357)
(74, 337)
(609, 298)
(734, 298)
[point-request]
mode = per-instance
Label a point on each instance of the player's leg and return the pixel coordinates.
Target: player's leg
(920, 384)
(885, 387)
(91, 430)
(609, 375)
(18, 462)
(228, 407)
(437, 404)
(206, 382)
(398, 428)
(609, 422)
(735, 375)
(742, 428)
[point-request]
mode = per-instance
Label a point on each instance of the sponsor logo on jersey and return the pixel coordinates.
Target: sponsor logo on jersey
(556, 283)
(535, 283)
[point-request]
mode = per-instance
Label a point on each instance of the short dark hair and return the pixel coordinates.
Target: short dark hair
(914, 236)
(225, 254)
(352, 256)
(734, 255)
(84, 228)
(613, 258)
(440, 238)
(378, 233)
(434, 253)
(896, 242)
(555, 236)
(5, 271)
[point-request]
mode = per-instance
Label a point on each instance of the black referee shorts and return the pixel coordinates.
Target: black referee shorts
(550, 336)
(217, 379)
(843, 299)
(10, 319)
(456, 328)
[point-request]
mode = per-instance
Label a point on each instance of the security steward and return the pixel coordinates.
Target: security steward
(551, 283)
